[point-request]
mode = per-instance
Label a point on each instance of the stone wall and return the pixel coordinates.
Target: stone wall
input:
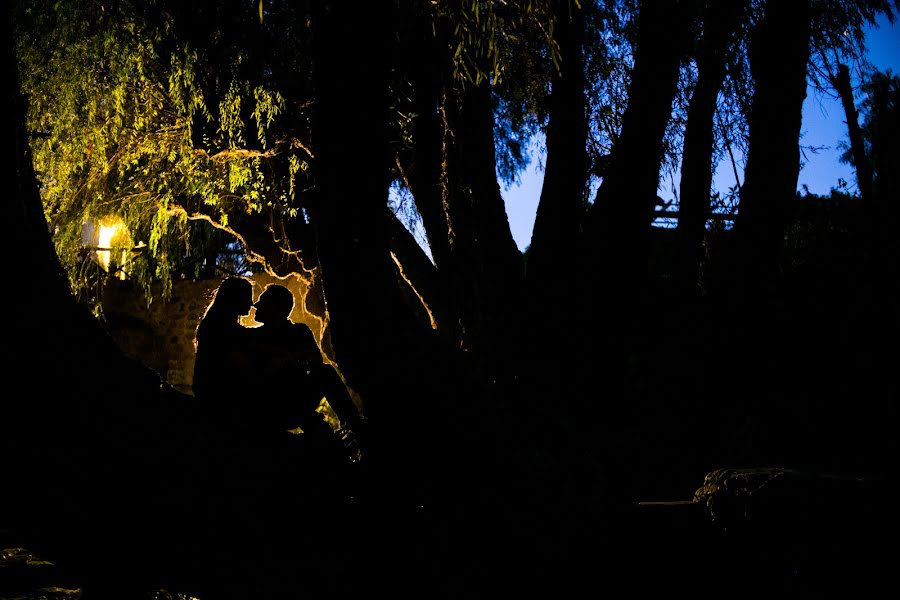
(162, 335)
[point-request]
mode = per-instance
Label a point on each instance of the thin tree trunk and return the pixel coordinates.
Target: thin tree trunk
(841, 82)
(420, 275)
(720, 23)
(425, 170)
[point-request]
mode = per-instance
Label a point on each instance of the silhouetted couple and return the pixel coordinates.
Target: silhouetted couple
(266, 380)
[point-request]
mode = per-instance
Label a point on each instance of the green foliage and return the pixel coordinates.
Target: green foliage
(123, 124)
(520, 96)
(479, 31)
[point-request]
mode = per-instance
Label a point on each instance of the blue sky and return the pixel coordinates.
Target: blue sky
(823, 126)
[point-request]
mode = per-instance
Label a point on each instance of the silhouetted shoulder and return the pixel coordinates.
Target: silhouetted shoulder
(290, 339)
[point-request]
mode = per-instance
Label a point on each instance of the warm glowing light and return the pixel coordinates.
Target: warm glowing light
(111, 243)
(105, 235)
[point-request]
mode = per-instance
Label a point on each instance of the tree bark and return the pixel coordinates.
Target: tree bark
(617, 238)
(420, 275)
(619, 220)
(779, 52)
(778, 57)
(719, 26)
(485, 264)
(411, 389)
(425, 170)
(350, 139)
(560, 213)
(617, 232)
(841, 82)
(80, 416)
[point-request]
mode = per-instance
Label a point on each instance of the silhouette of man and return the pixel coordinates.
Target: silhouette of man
(291, 371)
(221, 365)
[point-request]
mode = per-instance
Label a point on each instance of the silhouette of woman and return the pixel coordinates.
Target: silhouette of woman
(220, 368)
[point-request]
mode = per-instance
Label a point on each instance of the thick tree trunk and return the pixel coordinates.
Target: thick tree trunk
(719, 24)
(552, 258)
(778, 57)
(409, 381)
(617, 239)
(779, 52)
(485, 264)
(78, 373)
(619, 221)
(363, 298)
(618, 227)
(560, 213)
(86, 434)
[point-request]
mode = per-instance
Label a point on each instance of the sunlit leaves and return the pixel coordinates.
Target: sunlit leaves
(268, 105)
(120, 114)
(293, 168)
(230, 123)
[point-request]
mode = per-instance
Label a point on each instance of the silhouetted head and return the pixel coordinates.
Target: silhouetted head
(233, 299)
(274, 304)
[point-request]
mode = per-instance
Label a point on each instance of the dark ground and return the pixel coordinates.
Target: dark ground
(755, 532)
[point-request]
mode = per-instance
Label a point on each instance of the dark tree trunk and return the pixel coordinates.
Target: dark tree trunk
(619, 221)
(618, 227)
(485, 268)
(362, 294)
(719, 25)
(421, 167)
(779, 53)
(618, 232)
(421, 277)
(86, 433)
(75, 374)
(560, 212)
(886, 156)
(452, 175)
(552, 257)
(841, 82)
(425, 170)
(410, 382)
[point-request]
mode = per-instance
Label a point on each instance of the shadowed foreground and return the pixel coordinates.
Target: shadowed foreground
(209, 517)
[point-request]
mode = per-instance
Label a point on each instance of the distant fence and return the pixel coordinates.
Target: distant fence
(669, 218)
